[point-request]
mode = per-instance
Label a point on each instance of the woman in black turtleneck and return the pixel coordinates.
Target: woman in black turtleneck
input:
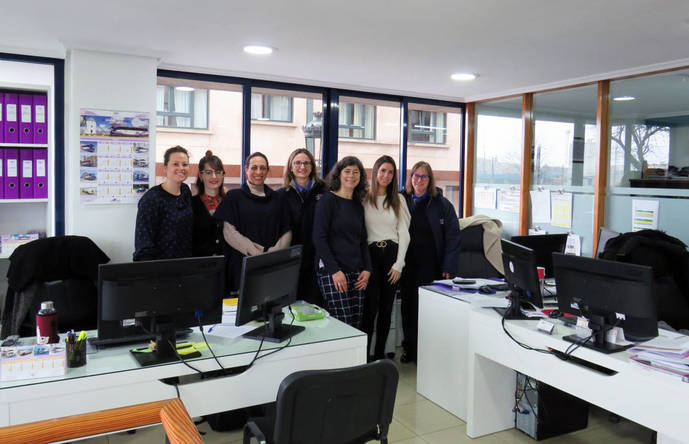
(255, 219)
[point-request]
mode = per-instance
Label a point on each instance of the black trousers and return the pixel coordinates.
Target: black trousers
(416, 273)
(380, 296)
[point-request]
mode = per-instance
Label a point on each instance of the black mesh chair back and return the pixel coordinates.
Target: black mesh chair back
(471, 259)
(349, 405)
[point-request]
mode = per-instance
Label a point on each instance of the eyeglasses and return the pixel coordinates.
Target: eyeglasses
(304, 163)
(212, 173)
(420, 177)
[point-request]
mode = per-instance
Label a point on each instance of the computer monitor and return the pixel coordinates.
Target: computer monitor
(154, 298)
(608, 294)
(269, 283)
(522, 277)
(604, 235)
(543, 247)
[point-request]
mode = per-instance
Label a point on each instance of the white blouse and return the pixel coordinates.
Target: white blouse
(382, 224)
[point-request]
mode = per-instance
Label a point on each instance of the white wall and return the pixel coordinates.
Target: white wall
(110, 82)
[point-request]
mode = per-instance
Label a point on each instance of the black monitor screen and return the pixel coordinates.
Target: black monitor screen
(268, 283)
(181, 292)
(543, 247)
(609, 293)
(521, 274)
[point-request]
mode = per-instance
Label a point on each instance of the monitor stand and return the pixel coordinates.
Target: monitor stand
(514, 310)
(274, 330)
(165, 347)
(599, 327)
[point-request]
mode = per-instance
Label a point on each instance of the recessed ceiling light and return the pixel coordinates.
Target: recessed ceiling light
(258, 49)
(463, 76)
(624, 98)
(184, 88)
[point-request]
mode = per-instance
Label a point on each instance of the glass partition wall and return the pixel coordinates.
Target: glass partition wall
(497, 165)
(649, 153)
(564, 163)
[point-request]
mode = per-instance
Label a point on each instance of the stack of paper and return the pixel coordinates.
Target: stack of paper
(668, 353)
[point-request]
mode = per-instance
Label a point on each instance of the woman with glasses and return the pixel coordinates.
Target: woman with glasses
(433, 248)
(255, 219)
(387, 226)
(343, 264)
(208, 230)
(302, 188)
(164, 220)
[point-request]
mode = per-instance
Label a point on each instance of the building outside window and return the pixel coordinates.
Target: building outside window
(357, 121)
(182, 107)
(427, 127)
(270, 107)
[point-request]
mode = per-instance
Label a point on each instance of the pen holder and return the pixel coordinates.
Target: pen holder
(76, 353)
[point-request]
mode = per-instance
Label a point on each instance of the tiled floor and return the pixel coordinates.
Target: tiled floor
(419, 421)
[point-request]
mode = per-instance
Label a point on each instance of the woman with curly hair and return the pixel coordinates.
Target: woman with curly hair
(343, 264)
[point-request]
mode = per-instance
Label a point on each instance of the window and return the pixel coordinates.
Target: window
(427, 127)
(271, 107)
(357, 121)
(182, 107)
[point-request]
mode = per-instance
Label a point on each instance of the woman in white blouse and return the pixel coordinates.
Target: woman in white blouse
(387, 224)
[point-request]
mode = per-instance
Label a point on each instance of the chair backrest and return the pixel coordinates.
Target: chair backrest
(604, 235)
(179, 427)
(471, 259)
(336, 406)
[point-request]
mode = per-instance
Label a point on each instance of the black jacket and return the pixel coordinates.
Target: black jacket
(207, 235)
(445, 227)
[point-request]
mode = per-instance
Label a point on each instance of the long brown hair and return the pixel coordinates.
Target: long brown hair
(289, 175)
(392, 198)
(214, 162)
(431, 181)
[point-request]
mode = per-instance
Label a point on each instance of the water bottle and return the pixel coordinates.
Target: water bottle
(46, 324)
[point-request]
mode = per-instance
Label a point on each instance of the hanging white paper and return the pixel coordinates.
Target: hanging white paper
(561, 210)
(485, 197)
(573, 245)
(644, 215)
(540, 207)
(509, 201)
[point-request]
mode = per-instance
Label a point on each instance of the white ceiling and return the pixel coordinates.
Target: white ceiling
(393, 46)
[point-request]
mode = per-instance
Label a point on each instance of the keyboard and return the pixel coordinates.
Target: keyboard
(107, 342)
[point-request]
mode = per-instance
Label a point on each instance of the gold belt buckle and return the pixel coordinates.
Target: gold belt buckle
(381, 244)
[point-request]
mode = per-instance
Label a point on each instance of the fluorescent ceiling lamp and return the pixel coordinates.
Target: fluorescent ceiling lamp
(184, 88)
(463, 76)
(258, 49)
(624, 98)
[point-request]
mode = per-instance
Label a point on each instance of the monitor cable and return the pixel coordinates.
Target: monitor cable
(289, 341)
(179, 357)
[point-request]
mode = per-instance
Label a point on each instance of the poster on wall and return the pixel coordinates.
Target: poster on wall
(644, 214)
(561, 209)
(508, 200)
(113, 156)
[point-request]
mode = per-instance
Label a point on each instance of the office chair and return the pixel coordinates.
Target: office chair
(179, 428)
(471, 260)
(348, 405)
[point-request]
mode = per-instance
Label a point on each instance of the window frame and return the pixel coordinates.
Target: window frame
(266, 108)
(430, 133)
(351, 126)
(169, 92)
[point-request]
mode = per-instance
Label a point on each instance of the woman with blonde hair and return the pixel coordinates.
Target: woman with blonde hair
(433, 248)
(302, 188)
(387, 225)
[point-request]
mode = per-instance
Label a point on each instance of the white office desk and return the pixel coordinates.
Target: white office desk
(482, 374)
(112, 378)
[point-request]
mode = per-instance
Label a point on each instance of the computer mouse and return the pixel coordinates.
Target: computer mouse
(555, 314)
(485, 289)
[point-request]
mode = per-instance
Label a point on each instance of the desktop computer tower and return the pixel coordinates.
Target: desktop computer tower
(542, 411)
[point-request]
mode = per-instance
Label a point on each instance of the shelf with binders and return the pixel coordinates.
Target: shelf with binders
(27, 202)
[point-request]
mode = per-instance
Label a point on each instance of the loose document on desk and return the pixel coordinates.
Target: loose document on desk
(469, 293)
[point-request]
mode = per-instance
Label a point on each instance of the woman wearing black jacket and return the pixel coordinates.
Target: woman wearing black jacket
(302, 188)
(433, 249)
(207, 236)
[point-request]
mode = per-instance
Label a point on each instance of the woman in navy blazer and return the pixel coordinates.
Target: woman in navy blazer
(433, 249)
